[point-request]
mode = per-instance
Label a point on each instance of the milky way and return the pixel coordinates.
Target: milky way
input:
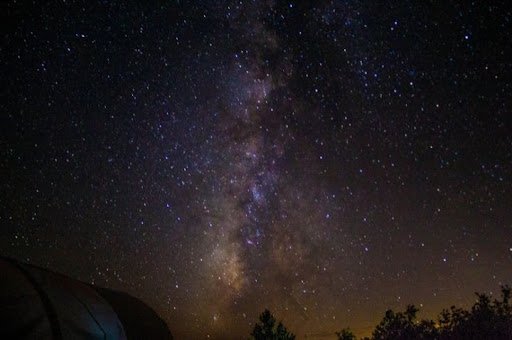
(327, 160)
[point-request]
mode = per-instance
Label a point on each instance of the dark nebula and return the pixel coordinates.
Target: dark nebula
(323, 159)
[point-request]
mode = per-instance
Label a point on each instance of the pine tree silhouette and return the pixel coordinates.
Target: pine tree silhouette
(266, 329)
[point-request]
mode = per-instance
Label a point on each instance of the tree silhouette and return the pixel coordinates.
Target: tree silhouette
(345, 334)
(403, 325)
(486, 319)
(266, 329)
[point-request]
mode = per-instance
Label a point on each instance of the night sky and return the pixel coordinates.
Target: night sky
(324, 159)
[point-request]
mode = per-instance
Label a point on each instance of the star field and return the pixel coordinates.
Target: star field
(326, 160)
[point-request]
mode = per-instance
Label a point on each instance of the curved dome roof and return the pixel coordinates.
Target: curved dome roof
(37, 303)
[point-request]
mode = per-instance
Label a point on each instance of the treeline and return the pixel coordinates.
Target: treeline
(486, 319)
